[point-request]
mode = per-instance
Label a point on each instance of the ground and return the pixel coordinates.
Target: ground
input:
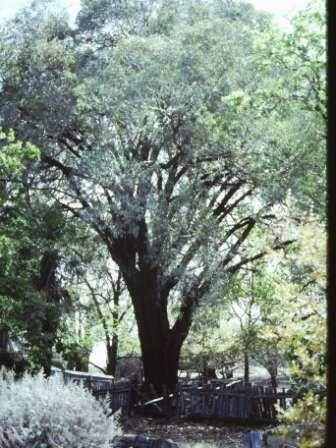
(188, 434)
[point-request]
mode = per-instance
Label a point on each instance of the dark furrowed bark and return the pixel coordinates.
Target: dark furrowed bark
(160, 344)
(4, 338)
(246, 367)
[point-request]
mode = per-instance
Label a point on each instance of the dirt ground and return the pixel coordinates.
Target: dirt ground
(188, 434)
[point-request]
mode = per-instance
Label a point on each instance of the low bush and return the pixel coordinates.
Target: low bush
(36, 412)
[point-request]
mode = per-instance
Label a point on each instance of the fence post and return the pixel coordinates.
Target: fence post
(89, 383)
(248, 398)
(132, 395)
(253, 439)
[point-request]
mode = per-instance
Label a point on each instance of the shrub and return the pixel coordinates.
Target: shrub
(36, 412)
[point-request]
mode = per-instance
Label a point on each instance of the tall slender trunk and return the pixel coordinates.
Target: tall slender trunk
(112, 353)
(47, 361)
(246, 366)
(274, 374)
(4, 339)
(209, 373)
(112, 342)
(49, 288)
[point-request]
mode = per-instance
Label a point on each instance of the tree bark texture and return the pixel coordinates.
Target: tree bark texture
(48, 286)
(160, 343)
(246, 367)
(4, 339)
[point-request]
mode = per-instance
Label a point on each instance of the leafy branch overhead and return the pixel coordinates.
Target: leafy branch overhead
(165, 139)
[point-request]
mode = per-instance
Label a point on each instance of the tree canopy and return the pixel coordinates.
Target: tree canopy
(179, 144)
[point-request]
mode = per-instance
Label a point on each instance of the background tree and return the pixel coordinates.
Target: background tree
(13, 155)
(249, 301)
(102, 294)
(32, 296)
(304, 337)
(211, 347)
(300, 57)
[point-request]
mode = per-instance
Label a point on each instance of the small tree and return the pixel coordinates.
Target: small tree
(211, 346)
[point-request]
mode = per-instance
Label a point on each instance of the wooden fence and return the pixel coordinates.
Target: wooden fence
(217, 399)
(282, 382)
(231, 402)
(120, 395)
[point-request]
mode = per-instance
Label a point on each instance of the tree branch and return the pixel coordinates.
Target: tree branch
(237, 266)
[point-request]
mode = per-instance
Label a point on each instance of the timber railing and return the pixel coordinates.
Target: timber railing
(218, 399)
(120, 395)
(237, 401)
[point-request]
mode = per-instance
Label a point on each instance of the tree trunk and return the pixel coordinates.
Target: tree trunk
(274, 382)
(160, 351)
(228, 372)
(274, 373)
(246, 367)
(47, 361)
(160, 344)
(79, 363)
(112, 352)
(48, 286)
(112, 343)
(209, 373)
(4, 339)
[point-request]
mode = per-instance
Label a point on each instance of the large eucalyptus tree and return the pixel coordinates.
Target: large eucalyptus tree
(124, 108)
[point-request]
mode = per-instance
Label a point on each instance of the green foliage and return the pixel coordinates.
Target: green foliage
(74, 343)
(300, 316)
(296, 99)
(122, 117)
(250, 301)
(13, 250)
(175, 135)
(277, 122)
(13, 154)
(28, 232)
(210, 345)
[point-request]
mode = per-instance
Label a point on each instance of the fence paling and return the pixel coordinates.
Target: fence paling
(119, 395)
(256, 403)
(231, 401)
